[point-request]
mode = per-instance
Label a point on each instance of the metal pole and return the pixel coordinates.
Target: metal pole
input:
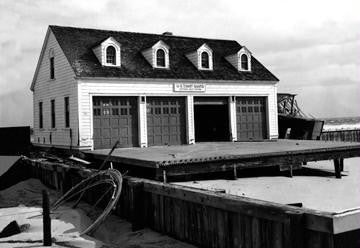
(108, 156)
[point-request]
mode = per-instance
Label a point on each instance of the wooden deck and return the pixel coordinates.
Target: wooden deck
(168, 161)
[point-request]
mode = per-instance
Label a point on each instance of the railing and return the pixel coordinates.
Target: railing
(341, 135)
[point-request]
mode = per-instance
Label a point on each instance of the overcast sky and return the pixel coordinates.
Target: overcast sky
(312, 46)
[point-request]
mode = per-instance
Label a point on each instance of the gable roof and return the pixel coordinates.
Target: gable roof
(77, 44)
(39, 60)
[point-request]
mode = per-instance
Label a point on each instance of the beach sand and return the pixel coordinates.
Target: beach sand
(67, 223)
(315, 186)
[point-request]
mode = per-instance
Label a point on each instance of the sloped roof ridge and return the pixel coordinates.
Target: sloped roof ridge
(143, 33)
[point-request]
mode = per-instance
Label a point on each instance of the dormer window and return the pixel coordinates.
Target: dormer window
(244, 62)
(158, 55)
(205, 60)
(111, 55)
(108, 52)
(241, 60)
(202, 58)
(160, 58)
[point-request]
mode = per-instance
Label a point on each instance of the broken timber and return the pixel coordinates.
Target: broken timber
(221, 157)
(213, 219)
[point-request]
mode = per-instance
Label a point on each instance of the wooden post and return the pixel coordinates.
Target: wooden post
(164, 176)
(295, 237)
(341, 164)
(337, 168)
(291, 170)
(235, 172)
(137, 205)
(46, 219)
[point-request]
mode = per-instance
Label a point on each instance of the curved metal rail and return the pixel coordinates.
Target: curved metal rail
(111, 177)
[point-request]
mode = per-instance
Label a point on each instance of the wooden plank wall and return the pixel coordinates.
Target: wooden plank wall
(202, 218)
(46, 89)
(341, 135)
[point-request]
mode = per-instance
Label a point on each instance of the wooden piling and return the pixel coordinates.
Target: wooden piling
(341, 164)
(297, 228)
(137, 211)
(235, 172)
(164, 176)
(337, 168)
(46, 219)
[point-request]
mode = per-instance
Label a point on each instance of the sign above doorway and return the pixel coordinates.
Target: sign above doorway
(189, 87)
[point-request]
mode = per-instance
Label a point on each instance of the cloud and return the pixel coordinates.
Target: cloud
(16, 108)
(327, 99)
(310, 45)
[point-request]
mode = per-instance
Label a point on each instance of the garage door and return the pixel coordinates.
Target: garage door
(251, 118)
(115, 118)
(166, 121)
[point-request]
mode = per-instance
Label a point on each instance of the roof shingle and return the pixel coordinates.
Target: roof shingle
(77, 44)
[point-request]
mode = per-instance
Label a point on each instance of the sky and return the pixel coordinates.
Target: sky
(312, 46)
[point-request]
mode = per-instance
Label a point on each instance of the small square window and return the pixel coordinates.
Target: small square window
(106, 111)
(123, 111)
(157, 111)
(115, 111)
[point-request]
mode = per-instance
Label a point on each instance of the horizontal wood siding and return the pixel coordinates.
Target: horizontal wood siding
(46, 89)
(98, 53)
(193, 57)
(148, 54)
(233, 60)
(89, 88)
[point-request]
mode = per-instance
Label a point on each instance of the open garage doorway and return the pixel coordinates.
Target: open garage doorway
(211, 116)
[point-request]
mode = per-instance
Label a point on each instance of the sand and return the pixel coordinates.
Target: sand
(315, 186)
(67, 223)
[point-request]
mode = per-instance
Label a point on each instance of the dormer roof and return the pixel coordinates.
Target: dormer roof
(205, 47)
(100, 51)
(235, 59)
(150, 54)
(78, 43)
(195, 57)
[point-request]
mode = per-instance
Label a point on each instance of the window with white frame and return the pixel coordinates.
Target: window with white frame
(160, 58)
(244, 62)
(244, 59)
(205, 60)
(111, 55)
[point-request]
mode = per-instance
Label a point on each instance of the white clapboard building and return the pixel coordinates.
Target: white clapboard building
(94, 87)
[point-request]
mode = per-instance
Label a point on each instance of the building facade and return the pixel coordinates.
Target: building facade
(94, 87)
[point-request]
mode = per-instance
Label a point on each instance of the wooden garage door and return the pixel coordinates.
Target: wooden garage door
(251, 118)
(166, 120)
(115, 118)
